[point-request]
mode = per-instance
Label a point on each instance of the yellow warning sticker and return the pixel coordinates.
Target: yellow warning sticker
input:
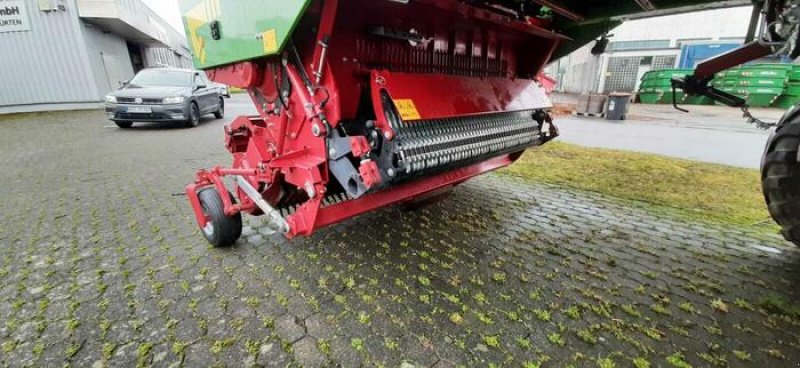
(270, 39)
(407, 109)
(196, 18)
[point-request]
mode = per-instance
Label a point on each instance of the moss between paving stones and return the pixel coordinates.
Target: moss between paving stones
(102, 265)
(696, 190)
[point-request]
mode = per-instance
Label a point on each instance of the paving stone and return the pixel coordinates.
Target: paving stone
(288, 328)
(319, 327)
(307, 354)
(113, 272)
(271, 355)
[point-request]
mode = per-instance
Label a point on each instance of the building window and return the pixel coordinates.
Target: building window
(638, 45)
(621, 75)
(684, 41)
(622, 72)
(734, 39)
(663, 62)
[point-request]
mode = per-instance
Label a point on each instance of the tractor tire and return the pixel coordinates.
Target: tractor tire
(221, 230)
(194, 116)
(220, 113)
(780, 175)
(124, 124)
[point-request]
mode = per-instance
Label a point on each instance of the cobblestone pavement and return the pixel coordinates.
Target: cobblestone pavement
(102, 265)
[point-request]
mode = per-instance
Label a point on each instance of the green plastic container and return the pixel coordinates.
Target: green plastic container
(667, 74)
(698, 100)
(761, 85)
(666, 95)
(656, 83)
(794, 75)
(759, 96)
(762, 82)
(732, 90)
(786, 101)
(660, 96)
(758, 73)
(650, 97)
(792, 89)
(667, 99)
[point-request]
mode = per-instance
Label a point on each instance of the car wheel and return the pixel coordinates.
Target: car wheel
(194, 116)
(124, 124)
(220, 113)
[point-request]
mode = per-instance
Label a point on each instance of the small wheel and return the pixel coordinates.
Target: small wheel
(780, 176)
(194, 116)
(221, 230)
(124, 124)
(220, 113)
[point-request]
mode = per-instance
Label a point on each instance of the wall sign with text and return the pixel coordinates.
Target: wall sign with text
(14, 16)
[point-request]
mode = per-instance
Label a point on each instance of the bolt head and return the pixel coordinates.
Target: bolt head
(388, 135)
(332, 153)
(315, 129)
(390, 172)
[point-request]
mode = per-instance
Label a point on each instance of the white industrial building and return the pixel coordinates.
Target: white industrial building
(67, 54)
(638, 46)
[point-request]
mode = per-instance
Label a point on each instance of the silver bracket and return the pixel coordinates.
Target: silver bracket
(341, 167)
(276, 222)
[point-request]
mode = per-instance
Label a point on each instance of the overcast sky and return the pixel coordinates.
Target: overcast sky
(167, 9)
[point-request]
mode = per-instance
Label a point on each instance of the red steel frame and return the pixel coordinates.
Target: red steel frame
(751, 51)
(272, 149)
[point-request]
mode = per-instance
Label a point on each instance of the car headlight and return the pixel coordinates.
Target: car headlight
(174, 100)
(111, 99)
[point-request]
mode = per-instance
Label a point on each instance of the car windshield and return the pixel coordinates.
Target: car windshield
(162, 78)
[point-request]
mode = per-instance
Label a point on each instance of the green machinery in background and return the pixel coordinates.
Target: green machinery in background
(761, 85)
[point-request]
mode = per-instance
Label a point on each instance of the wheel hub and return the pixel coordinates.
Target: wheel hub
(208, 230)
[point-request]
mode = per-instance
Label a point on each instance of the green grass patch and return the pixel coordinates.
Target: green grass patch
(695, 190)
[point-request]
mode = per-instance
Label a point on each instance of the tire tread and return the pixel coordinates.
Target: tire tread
(780, 178)
(227, 229)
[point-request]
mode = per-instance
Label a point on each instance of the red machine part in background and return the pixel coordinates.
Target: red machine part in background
(547, 83)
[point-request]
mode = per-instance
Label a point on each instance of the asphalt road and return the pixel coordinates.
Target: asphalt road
(712, 134)
(102, 265)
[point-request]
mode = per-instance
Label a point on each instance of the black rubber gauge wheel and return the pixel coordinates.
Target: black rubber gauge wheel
(221, 230)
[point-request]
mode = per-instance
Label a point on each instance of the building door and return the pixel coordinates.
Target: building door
(115, 73)
(645, 65)
(137, 59)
